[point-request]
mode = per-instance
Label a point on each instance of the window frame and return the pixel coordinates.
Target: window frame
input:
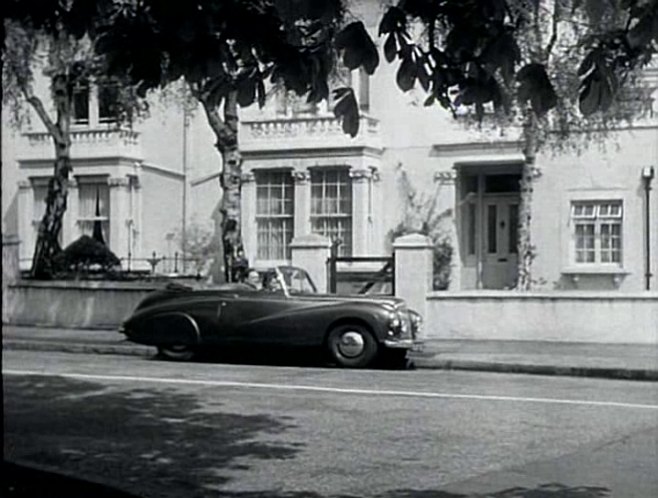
(82, 220)
(604, 255)
(343, 184)
(286, 231)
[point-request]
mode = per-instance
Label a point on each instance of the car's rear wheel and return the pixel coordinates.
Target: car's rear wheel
(352, 345)
(176, 352)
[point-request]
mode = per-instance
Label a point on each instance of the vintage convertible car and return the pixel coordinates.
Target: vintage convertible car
(353, 330)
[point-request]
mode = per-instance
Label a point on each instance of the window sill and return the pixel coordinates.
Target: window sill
(616, 273)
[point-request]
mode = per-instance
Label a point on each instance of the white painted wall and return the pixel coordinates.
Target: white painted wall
(567, 316)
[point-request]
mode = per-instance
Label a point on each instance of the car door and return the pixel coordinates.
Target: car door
(257, 318)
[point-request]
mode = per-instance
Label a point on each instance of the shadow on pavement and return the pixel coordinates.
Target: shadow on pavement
(142, 440)
(288, 357)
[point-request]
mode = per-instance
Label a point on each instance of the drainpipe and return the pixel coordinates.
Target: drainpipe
(647, 175)
(184, 227)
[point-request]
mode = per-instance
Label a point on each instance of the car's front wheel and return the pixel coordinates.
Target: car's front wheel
(176, 352)
(352, 345)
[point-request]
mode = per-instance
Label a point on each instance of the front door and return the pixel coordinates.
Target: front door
(499, 252)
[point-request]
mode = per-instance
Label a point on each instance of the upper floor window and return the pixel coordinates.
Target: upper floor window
(597, 231)
(331, 206)
(94, 206)
(274, 214)
(105, 108)
(80, 111)
(108, 96)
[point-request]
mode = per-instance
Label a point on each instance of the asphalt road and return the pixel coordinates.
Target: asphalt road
(162, 429)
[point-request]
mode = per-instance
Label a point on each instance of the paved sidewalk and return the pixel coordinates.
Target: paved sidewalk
(619, 361)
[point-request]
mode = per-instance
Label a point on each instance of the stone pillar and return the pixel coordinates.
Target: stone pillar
(413, 270)
(311, 253)
(70, 228)
(26, 227)
(361, 198)
(448, 200)
(10, 271)
(119, 206)
(302, 203)
(248, 220)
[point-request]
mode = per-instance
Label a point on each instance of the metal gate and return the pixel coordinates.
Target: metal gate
(361, 274)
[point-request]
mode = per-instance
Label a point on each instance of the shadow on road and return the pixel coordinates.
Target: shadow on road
(139, 440)
(552, 490)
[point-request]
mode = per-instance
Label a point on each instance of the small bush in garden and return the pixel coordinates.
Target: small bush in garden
(86, 254)
(421, 216)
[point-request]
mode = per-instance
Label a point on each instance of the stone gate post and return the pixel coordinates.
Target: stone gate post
(10, 270)
(311, 252)
(413, 270)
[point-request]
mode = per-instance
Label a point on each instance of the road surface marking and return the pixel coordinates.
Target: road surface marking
(337, 390)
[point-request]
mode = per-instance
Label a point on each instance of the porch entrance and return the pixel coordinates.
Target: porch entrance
(489, 200)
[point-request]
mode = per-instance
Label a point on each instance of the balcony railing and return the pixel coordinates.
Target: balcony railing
(306, 132)
(86, 144)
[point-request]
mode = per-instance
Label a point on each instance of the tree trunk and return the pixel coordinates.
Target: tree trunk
(47, 246)
(226, 133)
(526, 249)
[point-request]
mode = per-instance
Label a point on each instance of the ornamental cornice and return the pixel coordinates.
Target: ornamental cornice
(248, 177)
(118, 182)
(300, 176)
(364, 174)
(445, 177)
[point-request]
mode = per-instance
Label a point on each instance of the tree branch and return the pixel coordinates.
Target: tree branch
(554, 26)
(38, 106)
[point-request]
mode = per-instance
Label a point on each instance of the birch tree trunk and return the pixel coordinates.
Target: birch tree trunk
(47, 246)
(526, 250)
(226, 133)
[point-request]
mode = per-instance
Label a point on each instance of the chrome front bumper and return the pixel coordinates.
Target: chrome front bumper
(410, 344)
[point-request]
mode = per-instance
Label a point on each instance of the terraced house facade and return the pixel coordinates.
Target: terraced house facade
(151, 183)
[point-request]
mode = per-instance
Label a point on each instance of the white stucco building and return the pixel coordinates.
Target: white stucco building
(303, 175)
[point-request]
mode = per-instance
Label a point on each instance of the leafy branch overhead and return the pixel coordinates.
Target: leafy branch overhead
(474, 53)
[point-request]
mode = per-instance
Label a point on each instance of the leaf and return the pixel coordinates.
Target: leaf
(394, 20)
(588, 63)
(390, 48)
(359, 49)
(246, 92)
(347, 110)
(590, 96)
(423, 77)
(260, 90)
(406, 76)
(535, 86)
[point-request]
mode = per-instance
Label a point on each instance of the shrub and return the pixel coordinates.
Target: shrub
(84, 255)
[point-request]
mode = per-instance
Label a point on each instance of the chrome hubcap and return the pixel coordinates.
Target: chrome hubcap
(351, 344)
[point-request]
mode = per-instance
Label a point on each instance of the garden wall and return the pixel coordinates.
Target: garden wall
(74, 304)
(551, 316)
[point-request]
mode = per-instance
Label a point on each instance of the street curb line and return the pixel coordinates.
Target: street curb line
(522, 368)
(129, 349)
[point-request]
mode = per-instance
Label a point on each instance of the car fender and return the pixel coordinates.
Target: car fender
(172, 327)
